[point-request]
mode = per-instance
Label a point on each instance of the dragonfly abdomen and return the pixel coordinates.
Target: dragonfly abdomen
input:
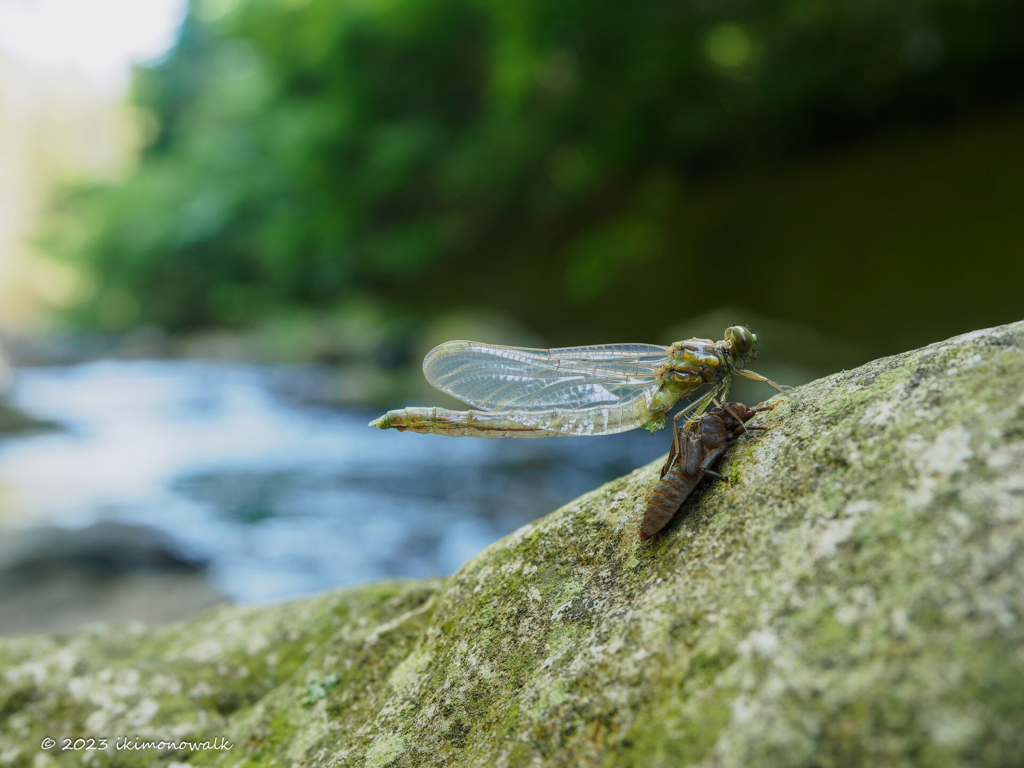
(442, 421)
(551, 422)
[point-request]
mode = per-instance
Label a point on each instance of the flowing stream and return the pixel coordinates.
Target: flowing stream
(279, 497)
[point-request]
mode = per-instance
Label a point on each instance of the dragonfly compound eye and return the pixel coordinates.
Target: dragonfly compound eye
(742, 340)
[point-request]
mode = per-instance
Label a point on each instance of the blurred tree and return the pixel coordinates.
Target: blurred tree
(304, 151)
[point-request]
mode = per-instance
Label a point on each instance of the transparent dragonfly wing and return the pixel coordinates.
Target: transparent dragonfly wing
(498, 378)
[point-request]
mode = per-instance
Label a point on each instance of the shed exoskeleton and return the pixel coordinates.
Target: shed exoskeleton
(696, 447)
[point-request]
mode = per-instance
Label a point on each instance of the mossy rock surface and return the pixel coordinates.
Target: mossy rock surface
(855, 599)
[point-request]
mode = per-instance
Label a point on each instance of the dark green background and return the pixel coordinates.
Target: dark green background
(843, 172)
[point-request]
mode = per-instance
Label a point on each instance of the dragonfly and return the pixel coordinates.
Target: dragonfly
(593, 390)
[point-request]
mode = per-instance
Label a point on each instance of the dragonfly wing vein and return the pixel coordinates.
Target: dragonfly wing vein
(496, 378)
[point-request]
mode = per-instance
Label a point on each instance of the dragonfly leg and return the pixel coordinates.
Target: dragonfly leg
(761, 408)
(673, 453)
(692, 411)
(753, 376)
(722, 478)
(723, 392)
(725, 406)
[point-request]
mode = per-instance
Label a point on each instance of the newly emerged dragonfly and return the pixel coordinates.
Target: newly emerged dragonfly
(597, 390)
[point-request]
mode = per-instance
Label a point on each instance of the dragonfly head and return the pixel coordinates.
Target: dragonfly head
(742, 344)
(740, 347)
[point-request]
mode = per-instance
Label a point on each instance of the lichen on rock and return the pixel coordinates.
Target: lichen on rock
(853, 600)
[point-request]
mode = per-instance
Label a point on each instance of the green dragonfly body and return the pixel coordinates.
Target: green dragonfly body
(595, 390)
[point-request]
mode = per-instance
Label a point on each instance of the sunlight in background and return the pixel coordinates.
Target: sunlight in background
(64, 68)
(100, 38)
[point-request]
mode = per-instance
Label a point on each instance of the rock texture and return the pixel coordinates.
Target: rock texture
(855, 600)
(52, 579)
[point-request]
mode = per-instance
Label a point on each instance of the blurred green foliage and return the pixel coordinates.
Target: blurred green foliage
(304, 152)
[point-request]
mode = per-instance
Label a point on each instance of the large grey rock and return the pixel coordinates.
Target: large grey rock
(55, 578)
(856, 600)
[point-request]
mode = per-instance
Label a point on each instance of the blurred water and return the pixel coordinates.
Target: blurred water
(282, 498)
